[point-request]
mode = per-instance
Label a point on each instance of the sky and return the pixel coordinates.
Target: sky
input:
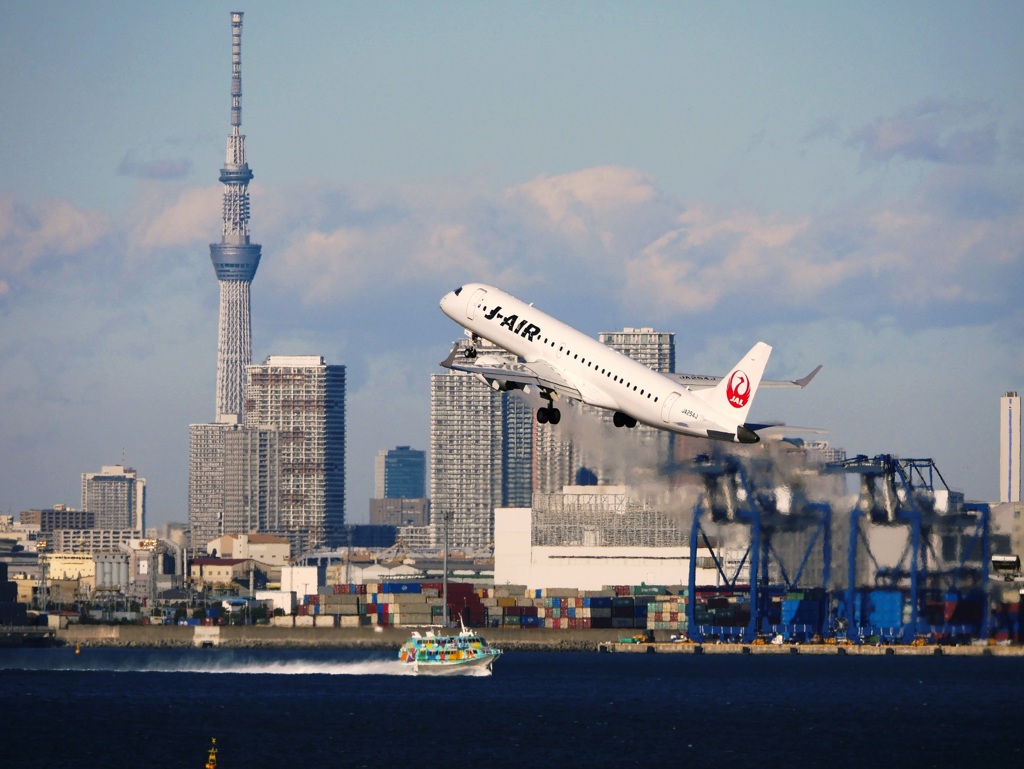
(844, 181)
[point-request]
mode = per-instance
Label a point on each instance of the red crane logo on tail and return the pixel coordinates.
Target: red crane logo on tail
(737, 390)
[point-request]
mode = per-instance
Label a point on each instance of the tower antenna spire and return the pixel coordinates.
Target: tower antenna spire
(235, 259)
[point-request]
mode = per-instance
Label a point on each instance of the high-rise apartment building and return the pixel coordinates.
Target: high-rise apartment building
(301, 399)
(233, 482)
(1009, 447)
(116, 495)
(579, 456)
(655, 349)
(481, 451)
(57, 517)
(400, 488)
(400, 473)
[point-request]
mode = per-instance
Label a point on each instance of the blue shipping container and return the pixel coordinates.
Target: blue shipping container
(403, 587)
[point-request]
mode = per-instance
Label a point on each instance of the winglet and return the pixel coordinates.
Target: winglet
(447, 362)
(801, 383)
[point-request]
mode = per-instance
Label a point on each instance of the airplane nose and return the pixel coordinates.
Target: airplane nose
(448, 302)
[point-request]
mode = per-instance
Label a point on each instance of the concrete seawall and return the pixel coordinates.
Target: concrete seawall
(904, 650)
(507, 639)
(264, 636)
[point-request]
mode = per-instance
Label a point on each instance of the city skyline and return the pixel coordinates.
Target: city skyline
(843, 182)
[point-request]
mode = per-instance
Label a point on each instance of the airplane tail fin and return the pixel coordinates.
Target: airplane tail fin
(735, 393)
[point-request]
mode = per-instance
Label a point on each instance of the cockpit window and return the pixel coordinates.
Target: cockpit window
(457, 291)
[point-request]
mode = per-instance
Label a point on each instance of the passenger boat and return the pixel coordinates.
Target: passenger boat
(434, 654)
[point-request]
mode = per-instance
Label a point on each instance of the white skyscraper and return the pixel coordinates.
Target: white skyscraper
(480, 455)
(117, 497)
(1009, 447)
(233, 477)
(302, 400)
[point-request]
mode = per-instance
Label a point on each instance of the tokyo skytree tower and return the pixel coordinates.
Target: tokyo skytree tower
(234, 259)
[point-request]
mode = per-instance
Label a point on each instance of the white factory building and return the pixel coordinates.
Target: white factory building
(589, 537)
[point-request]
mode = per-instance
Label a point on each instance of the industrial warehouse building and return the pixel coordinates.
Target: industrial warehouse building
(588, 537)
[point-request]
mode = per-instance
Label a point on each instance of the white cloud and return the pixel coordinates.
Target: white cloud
(711, 256)
(31, 233)
(185, 217)
(569, 200)
(591, 209)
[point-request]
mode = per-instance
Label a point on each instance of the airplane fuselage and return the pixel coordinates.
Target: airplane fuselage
(601, 375)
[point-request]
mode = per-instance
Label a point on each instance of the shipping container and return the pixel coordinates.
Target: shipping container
(402, 587)
(643, 589)
(885, 608)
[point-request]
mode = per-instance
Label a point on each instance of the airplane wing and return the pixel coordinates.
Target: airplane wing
(493, 369)
(702, 381)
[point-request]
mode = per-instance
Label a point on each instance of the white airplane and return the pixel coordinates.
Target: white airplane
(561, 362)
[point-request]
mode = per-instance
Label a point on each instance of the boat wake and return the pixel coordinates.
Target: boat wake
(302, 668)
(230, 665)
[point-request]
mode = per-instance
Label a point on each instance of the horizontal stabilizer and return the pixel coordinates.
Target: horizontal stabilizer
(778, 430)
(703, 381)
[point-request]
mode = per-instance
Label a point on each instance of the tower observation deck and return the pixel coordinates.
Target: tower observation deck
(234, 259)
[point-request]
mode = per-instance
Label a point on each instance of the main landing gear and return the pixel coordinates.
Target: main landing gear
(549, 414)
(623, 420)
